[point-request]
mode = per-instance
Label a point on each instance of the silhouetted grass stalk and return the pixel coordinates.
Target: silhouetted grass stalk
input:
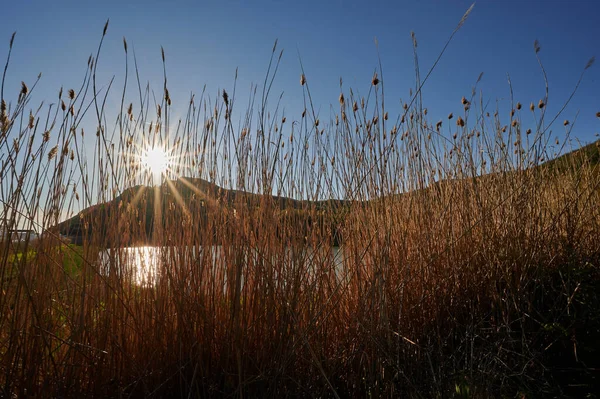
(451, 237)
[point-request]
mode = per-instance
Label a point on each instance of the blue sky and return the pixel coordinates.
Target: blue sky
(205, 41)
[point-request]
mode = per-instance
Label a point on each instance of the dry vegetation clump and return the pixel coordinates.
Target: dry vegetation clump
(363, 255)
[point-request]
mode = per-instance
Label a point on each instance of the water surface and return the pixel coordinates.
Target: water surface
(146, 265)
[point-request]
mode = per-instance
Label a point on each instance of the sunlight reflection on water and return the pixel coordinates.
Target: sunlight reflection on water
(143, 265)
(138, 264)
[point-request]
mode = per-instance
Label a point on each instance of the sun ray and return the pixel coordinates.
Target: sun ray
(198, 191)
(138, 196)
(157, 230)
(178, 198)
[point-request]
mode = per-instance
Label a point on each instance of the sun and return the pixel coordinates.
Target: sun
(156, 161)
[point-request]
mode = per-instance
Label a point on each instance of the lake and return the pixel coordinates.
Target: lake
(147, 265)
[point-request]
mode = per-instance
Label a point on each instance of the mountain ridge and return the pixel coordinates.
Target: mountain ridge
(214, 198)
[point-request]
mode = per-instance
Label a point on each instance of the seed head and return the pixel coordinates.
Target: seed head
(514, 123)
(528, 131)
(450, 115)
(46, 136)
(24, 89)
(375, 80)
(531, 107)
(597, 113)
(302, 80)
(438, 126)
(52, 152)
(541, 104)
(355, 106)
(342, 99)
(226, 98)
(590, 63)
(566, 122)
(460, 122)
(518, 105)
(71, 94)
(385, 116)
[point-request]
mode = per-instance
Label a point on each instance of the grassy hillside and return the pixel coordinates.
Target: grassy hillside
(588, 155)
(201, 196)
(218, 199)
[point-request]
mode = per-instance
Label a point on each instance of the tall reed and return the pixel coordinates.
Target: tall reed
(365, 254)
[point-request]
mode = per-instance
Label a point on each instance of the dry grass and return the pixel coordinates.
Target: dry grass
(463, 264)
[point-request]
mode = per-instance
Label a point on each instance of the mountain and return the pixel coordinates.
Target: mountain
(134, 211)
(198, 196)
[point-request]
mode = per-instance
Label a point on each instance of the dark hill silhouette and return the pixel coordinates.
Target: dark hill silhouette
(207, 196)
(212, 198)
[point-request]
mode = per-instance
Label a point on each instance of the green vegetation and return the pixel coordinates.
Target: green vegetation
(470, 268)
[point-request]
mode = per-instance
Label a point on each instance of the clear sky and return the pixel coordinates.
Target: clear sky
(205, 41)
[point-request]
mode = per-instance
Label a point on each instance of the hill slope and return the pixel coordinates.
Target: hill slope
(209, 197)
